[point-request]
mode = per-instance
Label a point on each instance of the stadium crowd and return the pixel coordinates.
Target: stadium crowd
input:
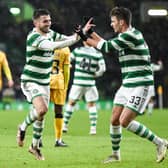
(68, 13)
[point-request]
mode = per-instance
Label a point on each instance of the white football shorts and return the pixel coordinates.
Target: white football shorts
(32, 90)
(90, 93)
(135, 98)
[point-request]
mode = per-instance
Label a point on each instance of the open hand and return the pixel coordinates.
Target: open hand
(88, 25)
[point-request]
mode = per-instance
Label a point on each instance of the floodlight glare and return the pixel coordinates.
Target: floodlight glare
(14, 10)
(157, 12)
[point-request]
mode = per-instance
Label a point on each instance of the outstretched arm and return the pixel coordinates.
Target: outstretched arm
(51, 45)
(7, 72)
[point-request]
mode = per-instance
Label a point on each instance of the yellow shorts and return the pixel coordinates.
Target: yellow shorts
(58, 96)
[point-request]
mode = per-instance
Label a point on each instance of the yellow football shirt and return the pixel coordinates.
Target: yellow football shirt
(5, 67)
(61, 58)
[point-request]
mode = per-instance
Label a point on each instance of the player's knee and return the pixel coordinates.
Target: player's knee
(124, 123)
(58, 115)
(42, 113)
(58, 109)
(43, 110)
(115, 121)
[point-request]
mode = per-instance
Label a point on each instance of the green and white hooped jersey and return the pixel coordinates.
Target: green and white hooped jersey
(134, 57)
(38, 61)
(86, 64)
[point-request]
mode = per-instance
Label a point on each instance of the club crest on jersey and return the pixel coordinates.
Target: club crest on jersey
(35, 91)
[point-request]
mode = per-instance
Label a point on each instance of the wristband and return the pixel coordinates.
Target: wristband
(82, 35)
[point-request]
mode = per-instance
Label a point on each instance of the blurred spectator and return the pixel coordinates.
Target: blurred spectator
(5, 68)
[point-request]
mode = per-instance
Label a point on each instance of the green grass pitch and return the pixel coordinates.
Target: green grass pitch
(84, 151)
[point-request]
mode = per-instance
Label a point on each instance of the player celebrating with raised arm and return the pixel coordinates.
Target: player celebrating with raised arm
(137, 80)
(35, 79)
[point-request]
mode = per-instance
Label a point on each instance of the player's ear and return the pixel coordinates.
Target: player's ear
(121, 22)
(35, 22)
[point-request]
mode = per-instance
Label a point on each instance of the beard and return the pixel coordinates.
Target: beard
(45, 29)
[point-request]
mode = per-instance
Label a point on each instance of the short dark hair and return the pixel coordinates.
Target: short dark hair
(122, 13)
(39, 12)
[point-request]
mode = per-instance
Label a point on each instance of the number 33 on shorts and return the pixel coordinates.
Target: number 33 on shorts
(139, 99)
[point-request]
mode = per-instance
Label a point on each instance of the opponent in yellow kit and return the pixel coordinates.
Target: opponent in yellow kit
(5, 67)
(58, 88)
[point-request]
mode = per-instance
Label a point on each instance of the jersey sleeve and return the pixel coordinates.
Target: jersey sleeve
(35, 39)
(67, 56)
(122, 41)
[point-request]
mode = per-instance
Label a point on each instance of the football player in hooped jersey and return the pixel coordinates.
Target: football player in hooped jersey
(89, 64)
(137, 80)
(35, 79)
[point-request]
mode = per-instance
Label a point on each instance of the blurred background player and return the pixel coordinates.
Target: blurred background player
(4, 67)
(58, 86)
(58, 89)
(155, 67)
(89, 64)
